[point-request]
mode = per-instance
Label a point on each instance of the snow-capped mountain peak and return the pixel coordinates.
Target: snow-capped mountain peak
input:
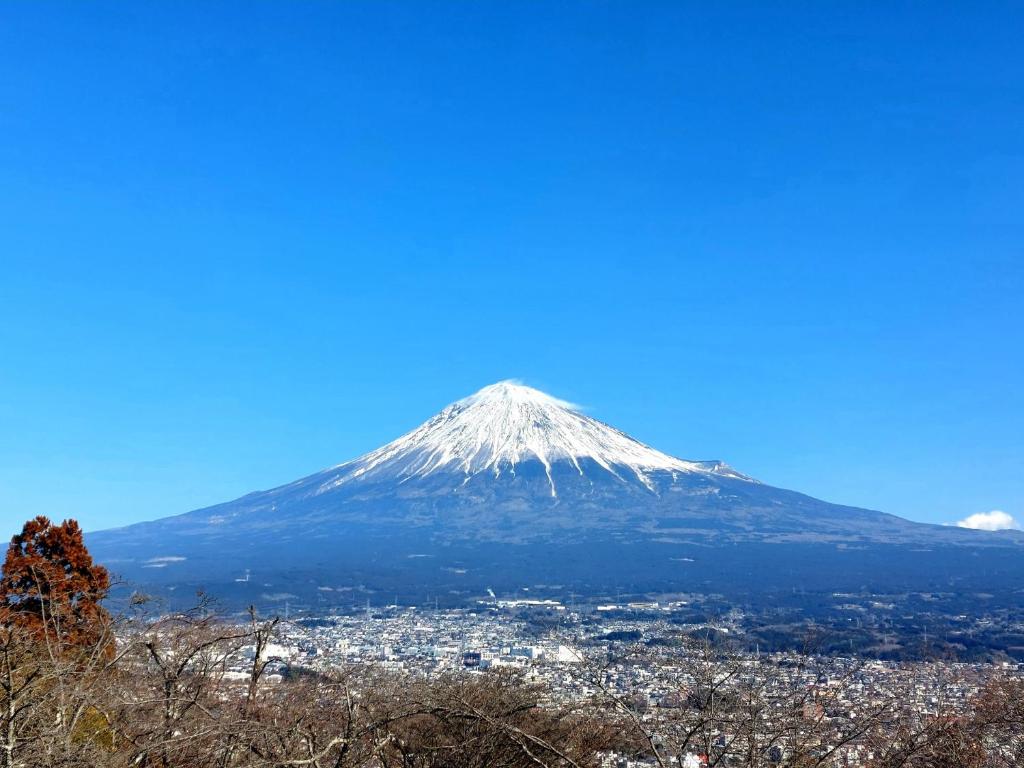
(506, 424)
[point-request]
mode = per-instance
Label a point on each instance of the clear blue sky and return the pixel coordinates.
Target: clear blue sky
(241, 242)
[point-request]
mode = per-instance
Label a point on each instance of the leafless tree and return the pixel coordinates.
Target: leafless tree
(738, 709)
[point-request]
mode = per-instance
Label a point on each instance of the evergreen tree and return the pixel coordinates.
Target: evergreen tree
(50, 582)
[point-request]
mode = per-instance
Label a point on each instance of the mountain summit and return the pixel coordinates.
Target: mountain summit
(511, 487)
(506, 425)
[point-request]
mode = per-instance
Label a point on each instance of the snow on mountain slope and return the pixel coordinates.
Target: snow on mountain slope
(506, 424)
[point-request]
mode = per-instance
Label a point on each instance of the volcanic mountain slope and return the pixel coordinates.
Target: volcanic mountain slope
(505, 486)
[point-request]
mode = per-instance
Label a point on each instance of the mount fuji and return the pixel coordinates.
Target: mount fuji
(513, 489)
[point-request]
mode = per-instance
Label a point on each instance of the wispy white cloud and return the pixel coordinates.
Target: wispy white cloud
(516, 387)
(162, 562)
(279, 596)
(996, 520)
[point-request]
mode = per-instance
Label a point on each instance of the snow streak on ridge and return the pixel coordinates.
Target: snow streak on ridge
(506, 424)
